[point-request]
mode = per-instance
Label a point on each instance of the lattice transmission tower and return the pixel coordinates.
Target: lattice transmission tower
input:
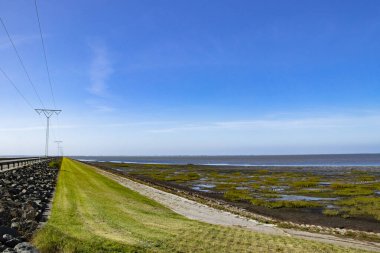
(58, 147)
(48, 113)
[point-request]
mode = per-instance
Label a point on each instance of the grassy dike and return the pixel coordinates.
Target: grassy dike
(92, 213)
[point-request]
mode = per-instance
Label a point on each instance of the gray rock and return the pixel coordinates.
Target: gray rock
(25, 194)
(8, 250)
(15, 225)
(13, 242)
(9, 231)
(25, 247)
(7, 237)
(2, 248)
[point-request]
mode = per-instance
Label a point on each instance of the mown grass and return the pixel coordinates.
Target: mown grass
(92, 213)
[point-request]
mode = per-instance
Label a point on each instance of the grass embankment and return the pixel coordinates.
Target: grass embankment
(344, 192)
(92, 213)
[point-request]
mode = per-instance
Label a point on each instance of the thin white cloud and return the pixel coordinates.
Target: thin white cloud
(104, 108)
(322, 123)
(19, 40)
(300, 123)
(86, 126)
(100, 70)
(100, 105)
(21, 129)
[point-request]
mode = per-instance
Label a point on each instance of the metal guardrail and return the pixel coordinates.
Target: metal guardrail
(18, 158)
(21, 162)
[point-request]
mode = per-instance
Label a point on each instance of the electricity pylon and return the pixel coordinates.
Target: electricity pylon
(48, 113)
(61, 150)
(58, 147)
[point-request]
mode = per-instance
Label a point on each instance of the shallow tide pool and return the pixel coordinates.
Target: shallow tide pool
(306, 198)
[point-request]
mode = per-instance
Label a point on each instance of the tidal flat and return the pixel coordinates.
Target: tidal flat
(342, 197)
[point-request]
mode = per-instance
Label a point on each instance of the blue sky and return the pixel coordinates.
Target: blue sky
(164, 77)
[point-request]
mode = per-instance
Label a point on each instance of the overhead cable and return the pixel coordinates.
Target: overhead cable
(44, 51)
(21, 62)
(17, 89)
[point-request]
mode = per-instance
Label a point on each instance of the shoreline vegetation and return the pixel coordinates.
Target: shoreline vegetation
(343, 198)
(92, 213)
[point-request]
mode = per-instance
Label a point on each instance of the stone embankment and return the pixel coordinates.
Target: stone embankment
(25, 194)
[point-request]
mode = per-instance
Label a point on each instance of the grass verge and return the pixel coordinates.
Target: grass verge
(92, 213)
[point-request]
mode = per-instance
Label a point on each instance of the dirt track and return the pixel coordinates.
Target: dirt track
(197, 211)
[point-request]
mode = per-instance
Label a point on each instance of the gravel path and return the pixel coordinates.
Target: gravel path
(194, 210)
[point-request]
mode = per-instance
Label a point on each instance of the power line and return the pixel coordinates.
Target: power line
(48, 113)
(15, 86)
(21, 62)
(44, 50)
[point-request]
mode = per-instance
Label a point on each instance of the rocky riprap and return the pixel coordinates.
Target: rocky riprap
(25, 194)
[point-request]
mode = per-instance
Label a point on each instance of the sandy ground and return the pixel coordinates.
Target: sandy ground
(194, 210)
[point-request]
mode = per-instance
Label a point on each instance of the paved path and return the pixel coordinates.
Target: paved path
(201, 212)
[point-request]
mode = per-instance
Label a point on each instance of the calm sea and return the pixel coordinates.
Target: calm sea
(267, 160)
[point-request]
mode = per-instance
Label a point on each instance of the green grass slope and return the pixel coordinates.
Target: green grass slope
(92, 213)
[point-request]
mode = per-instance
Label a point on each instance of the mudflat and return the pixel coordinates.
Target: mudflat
(336, 197)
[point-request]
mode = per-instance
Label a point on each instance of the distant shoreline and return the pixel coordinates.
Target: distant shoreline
(238, 165)
(343, 160)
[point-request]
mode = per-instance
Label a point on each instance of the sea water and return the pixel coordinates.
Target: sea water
(252, 160)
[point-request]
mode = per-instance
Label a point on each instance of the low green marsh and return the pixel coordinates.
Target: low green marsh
(344, 192)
